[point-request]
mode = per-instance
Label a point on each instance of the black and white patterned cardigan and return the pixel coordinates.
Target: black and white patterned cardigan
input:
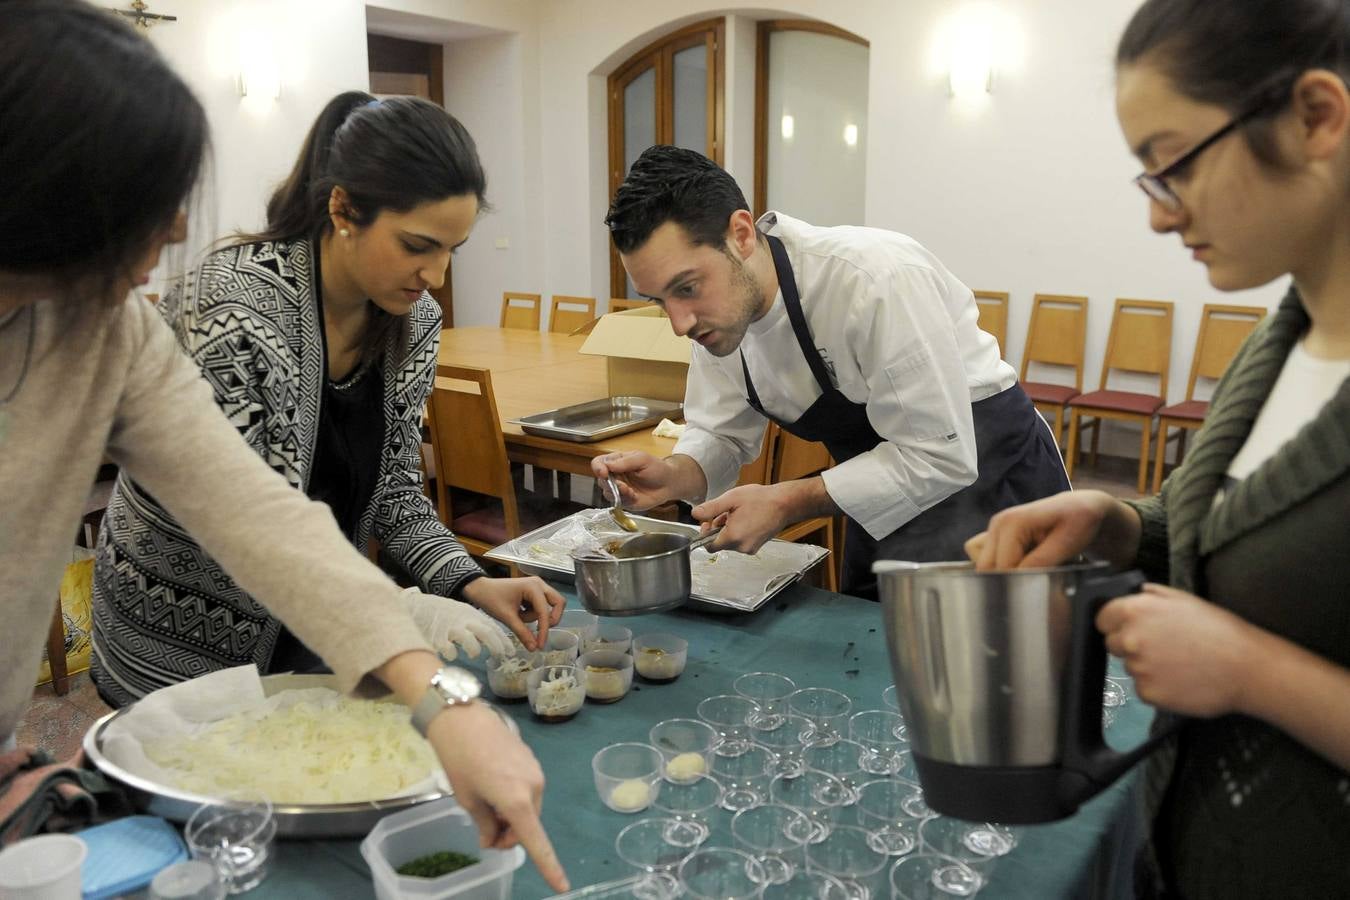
(164, 611)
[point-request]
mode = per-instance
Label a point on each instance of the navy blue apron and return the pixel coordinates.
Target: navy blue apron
(1017, 458)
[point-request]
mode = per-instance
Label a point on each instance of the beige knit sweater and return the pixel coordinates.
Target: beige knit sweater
(112, 381)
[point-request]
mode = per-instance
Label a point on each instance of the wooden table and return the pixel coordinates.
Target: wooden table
(535, 371)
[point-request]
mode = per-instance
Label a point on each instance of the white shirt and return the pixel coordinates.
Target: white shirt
(1305, 385)
(898, 333)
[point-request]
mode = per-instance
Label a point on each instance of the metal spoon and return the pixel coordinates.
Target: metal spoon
(620, 517)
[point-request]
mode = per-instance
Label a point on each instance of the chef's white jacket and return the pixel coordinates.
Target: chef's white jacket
(898, 333)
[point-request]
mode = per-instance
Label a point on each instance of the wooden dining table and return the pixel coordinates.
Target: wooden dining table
(536, 371)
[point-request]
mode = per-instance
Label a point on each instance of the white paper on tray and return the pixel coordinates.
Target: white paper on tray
(731, 579)
(184, 709)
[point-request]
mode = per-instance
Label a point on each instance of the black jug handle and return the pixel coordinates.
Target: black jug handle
(1090, 764)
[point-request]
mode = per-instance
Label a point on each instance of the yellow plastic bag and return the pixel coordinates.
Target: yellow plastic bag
(77, 597)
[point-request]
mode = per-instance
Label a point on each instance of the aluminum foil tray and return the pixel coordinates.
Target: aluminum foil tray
(723, 581)
(598, 419)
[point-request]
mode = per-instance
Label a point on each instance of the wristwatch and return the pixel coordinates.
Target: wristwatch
(449, 687)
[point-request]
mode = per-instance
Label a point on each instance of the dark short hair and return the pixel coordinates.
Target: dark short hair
(100, 143)
(393, 154)
(1231, 52)
(669, 184)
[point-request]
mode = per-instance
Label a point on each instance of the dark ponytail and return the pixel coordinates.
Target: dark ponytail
(390, 154)
(1232, 53)
(100, 144)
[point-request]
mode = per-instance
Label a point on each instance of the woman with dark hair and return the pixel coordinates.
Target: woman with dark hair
(100, 144)
(1240, 113)
(320, 344)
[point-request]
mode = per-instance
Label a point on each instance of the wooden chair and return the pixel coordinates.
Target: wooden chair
(475, 495)
(786, 457)
(1056, 336)
(521, 310)
(619, 304)
(993, 306)
(1140, 341)
(1222, 330)
(566, 321)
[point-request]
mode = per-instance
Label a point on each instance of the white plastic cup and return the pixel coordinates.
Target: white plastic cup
(46, 867)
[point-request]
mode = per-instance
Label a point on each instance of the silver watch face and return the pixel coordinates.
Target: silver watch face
(456, 685)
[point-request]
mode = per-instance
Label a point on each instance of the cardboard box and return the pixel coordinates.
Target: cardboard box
(645, 358)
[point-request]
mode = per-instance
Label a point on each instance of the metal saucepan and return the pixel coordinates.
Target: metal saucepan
(644, 574)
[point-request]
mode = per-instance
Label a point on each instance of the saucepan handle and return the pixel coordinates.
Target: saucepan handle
(705, 539)
(1089, 763)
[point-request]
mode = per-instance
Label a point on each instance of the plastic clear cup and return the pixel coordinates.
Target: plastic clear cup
(826, 709)
(660, 658)
(608, 636)
(882, 735)
(786, 743)
(744, 778)
(775, 835)
(557, 693)
(577, 622)
(721, 873)
(643, 846)
(731, 715)
(627, 776)
(843, 759)
(688, 746)
(608, 674)
(560, 648)
(46, 867)
(805, 885)
(848, 855)
(691, 804)
(236, 836)
(881, 810)
(192, 879)
(509, 676)
(768, 689)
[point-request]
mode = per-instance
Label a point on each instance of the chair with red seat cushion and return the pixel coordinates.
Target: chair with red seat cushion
(1140, 341)
(1056, 336)
(1223, 328)
(475, 493)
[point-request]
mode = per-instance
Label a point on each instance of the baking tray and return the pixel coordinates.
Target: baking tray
(318, 820)
(598, 419)
(789, 561)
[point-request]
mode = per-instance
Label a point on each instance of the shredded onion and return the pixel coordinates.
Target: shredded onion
(333, 749)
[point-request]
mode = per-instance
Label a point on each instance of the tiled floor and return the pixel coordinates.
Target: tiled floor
(57, 724)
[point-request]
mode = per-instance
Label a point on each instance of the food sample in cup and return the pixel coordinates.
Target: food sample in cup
(660, 657)
(560, 649)
(686, 767)
(508, 676)
(556, 692)
(631, 795)
(608, 673)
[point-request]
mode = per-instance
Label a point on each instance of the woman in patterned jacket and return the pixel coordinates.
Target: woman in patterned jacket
(320, 343)
(1241, 115)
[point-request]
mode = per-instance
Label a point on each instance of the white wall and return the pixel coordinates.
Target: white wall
(321, 48)
(1028, 191)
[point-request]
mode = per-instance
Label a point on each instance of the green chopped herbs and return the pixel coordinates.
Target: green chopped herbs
(434, 865)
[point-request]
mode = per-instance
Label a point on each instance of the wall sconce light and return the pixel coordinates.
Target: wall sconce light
(788, 127)
(851, 135)
(259, 72)
(970, 66)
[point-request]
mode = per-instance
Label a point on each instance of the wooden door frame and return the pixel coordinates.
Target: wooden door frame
(660, 54)
(765, 30)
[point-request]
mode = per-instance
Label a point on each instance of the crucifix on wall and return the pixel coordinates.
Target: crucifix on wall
(141, 16)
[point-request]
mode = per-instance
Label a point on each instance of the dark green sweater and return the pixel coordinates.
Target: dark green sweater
(1237, 807)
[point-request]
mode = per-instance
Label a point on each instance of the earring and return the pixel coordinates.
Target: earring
(344, 232)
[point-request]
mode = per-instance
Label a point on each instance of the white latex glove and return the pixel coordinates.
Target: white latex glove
(445, 623)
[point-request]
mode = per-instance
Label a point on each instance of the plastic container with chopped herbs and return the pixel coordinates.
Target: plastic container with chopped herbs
(410, 855)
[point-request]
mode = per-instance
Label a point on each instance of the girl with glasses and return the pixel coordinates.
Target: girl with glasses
(1239, 112)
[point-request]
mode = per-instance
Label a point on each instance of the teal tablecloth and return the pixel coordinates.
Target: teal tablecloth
(816, 638)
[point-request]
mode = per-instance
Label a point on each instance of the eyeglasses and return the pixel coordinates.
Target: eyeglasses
(1155, 184)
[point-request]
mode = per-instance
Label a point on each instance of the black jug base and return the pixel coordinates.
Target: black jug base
(1009, 795)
